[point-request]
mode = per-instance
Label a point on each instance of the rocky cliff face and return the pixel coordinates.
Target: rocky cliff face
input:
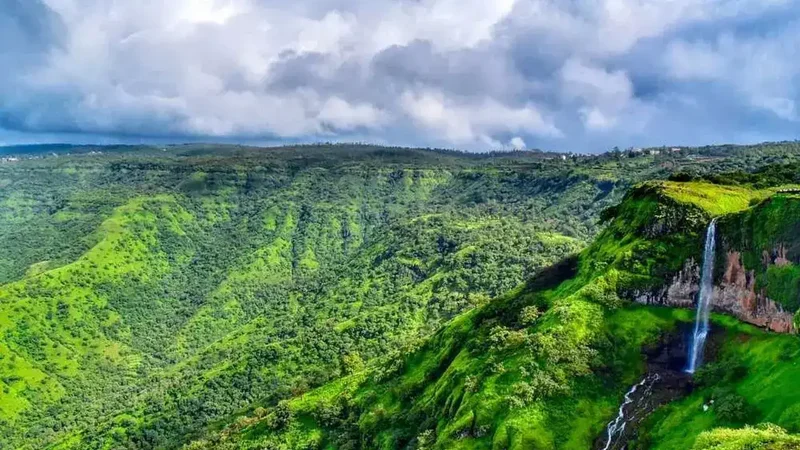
(734, 294)
(679, 293)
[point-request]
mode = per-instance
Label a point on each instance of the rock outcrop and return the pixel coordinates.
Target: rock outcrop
(679, 293)
(734, 294)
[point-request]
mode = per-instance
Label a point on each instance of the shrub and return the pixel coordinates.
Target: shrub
(731, 407)
(529, 315)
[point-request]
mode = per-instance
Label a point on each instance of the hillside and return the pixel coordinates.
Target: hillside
(151, 295)
(546, 365)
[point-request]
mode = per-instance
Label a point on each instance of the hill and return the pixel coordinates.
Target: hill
(546, 365)
(151, 295)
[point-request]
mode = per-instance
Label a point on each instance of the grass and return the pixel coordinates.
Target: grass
(762, 437)
(772, 365)
(550, 238)
(716, 199)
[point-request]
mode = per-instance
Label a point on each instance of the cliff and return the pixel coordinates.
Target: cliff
(735, 294)
(757, 270)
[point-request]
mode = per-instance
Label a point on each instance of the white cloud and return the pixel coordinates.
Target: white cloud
(469, 123)
(604, 95)
(686, 61)
(344, 116)
(465, 73)
(763, 69)
(517, 143)
(448, 24)
(595, 119)
(602, 28)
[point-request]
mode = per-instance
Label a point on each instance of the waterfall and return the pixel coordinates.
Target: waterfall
(703, 300)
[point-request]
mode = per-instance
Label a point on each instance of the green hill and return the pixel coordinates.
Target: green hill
(546, 365)
(149, 297)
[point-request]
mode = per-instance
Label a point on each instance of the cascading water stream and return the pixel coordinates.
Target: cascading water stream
(695, 356)
(616, 428)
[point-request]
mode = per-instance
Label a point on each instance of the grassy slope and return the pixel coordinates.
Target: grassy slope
(239, 343)
(716, 199)
(468, 396)
(763, 437)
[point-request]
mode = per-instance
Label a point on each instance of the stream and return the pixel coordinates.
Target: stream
(635, 396)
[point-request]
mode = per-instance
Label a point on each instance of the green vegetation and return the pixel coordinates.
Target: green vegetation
(767, 437)
(766, 238)
(753, 381)
(714, 198)
(545, 366)
(212, 296)
(479, 383)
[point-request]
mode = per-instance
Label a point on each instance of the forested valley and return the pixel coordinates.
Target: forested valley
(353, 296)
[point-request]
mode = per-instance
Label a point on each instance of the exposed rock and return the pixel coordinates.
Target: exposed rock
(735, 294)
(679, 293)
(781, 259)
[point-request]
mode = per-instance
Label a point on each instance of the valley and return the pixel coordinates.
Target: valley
(213, 297)
(547, 365)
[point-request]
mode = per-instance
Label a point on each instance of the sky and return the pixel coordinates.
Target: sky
(562, 75)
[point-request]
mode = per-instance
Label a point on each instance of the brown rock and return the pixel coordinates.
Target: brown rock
(734, 295)
(781, 259)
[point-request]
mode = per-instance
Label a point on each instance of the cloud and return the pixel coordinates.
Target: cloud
(517, 143)
(463, 123)
(603, 95)
(342, 115)
(761, 69)
(580, 75)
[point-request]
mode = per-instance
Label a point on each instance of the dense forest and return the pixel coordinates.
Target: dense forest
(546, 365)
(352, 296)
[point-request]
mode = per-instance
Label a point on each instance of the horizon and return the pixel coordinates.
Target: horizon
(310, 144)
